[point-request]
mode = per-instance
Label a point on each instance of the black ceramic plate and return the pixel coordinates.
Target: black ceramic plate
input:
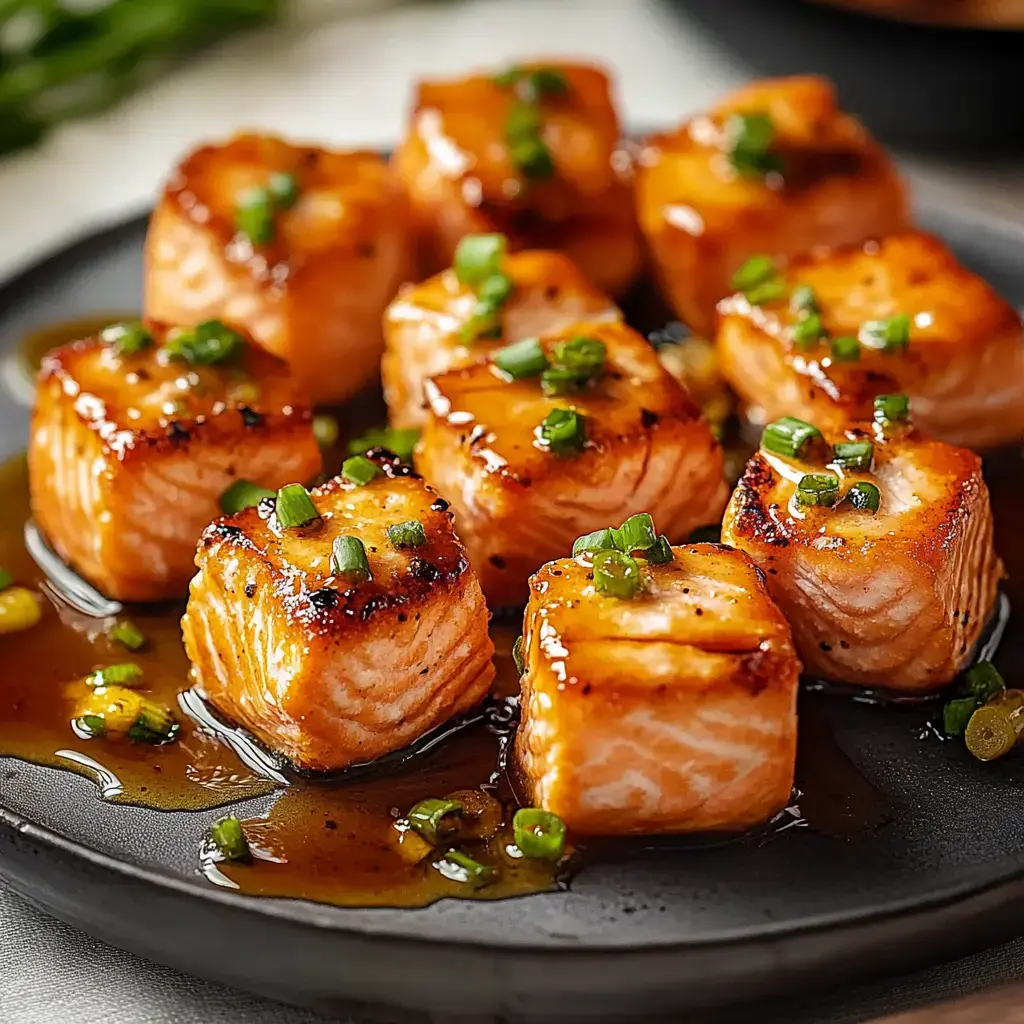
(912, 852)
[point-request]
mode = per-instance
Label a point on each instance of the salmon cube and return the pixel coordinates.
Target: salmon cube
(301, 247)
(332, 662)
(897, 315)
(428, 329)
(673, 711)
(131, 448)
(877, 544)
(774, 168)
(531, 151)
(527, 470)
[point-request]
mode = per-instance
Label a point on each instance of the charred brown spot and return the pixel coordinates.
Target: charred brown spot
(324, 599)
(176, 432)
(250, 418)
(497, 561)
(648, 419)
(250, 590)
(366, 250)
(439, 505)
(423, 570)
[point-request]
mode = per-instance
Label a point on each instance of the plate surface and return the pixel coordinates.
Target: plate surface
(911, 851)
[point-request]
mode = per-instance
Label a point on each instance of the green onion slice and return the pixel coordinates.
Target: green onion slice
(294, 507)
(154, 724)
(565, 431)
(521, 359)
(556, 382)
(803, 300)
(227, 836)
(808, 331)
(284, 189)
(402, 442)
(483, 323)
(769, 291)
(599, 540)
(436, 820)
(243, 494)
(757, 270)
(584, 356)
(956, 714)
(661, 552)
(409, 534)
(853, 454)
(532, 158)
(360, 470)
(616, 574)
(460, 867)
(127, 634)
(889, 336)
(6, 579)
(984, 681)
(892, 409)
(517, 655)
(254, 215)
(478, 257)
(207, 344)
(863, 496)
(539, 833)
(789, 436)
(749, 140)
(845, 349)
(635, 534)
(325, 430)
(523, 122)
(127, 338)
(817, 489)
(348, 559)
(126, 674)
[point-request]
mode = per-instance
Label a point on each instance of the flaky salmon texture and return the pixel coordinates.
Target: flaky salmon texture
(300, 246)
(327, 671)
(424, 325)
(519, 500)
(130, 452)
(673, 711)
(893, 598)
(960, 358)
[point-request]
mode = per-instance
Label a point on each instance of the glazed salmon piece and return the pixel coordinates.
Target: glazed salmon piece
(956, 347)
(642, 445)
(532, 152)
(425, 327)
(308, 273)
(893, 598)
(673, 711)
(774, 168)
(129, 453)
(329, 669)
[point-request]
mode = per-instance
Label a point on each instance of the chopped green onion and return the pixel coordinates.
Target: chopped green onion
(984, 681)
(547, 82)
(557, 382)
(155, 724)
(789, 436)
(616, 574)
(509, 77)
(478, 257)
(6, 579)
(748, 143)
(284, 188)
(803, 300)
(635, 534)
(360, 470)
(409, 534)
(496, 290)
(227, 835)
(599, 540)
(769, 291)
(755, 271)
(539, 833)
(956, 714)
(531, 157)
(125, 674)
(892, 409)
(521, 359)
(523, 122)
(583, 355)
(436, 820)
(808, 331)
(207, 344)
(294, 507)
(254, 215)
(517, 655)
(325, 430)
(565, 431)
(853, 454)
(243, 494)
(892, 335)
(993, 730)
(817, 489)
(93, 725)
(460, 867)
(127, 338)
(485, 320)
(400, 441)
(845, 349)
(127, 634)
(348, 559)
(863, 496)
(661, 552)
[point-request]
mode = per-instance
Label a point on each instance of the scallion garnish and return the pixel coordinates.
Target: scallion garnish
(892, 409)
(402, 442)
(6, 579)
(984, 681)
(348, 559)
(863, 496)
(790, 437)
(126, 674)
(254, 215)
(635, 534)
(155, 724)
(517, 655)
(565, 431)
(599, 540)
(485, 320)
(845, 349)
(409, 534)
(294, 507)
(521, 359)
(478, 257)
(127, 338)
(360, 470)
(956, 714)
(556, 382)
(206, 344)
(616, 574)
(524, 138)
(803, 300)
(807, 331)
(749, 138)
(127, 634)
(853, 454)
(755, 271)
(817, 489)
(436, 820)
(661, 551)
(325, 430)
(284, 189)
(892, 335)
(457, 866)
(228, 837)
(243, 494)
(538, 833)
